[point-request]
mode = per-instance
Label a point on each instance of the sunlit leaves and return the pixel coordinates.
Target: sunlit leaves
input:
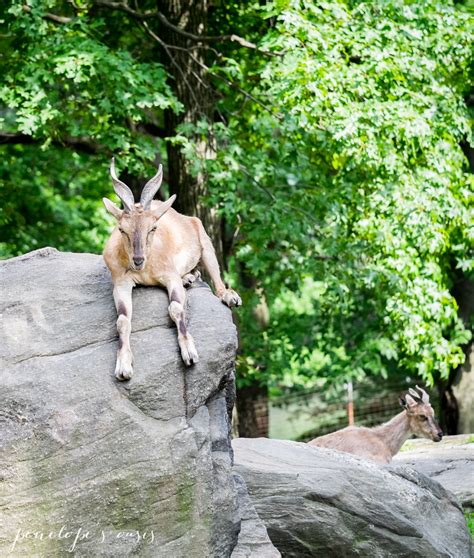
(354, 177)
(69, 80)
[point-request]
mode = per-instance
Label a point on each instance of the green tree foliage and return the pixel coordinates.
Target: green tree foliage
(358, 210)
(79, 91)
(337, 167)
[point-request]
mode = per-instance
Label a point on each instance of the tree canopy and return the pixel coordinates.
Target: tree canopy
(329, 136)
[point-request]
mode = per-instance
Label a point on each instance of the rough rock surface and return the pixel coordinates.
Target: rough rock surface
(450, 462)
(253, 541)
(317, 502)
(97, 467)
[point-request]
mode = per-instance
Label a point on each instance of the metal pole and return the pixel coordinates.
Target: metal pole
(350, 404)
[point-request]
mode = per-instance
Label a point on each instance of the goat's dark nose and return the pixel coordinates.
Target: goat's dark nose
(440, 434)
(138, 260)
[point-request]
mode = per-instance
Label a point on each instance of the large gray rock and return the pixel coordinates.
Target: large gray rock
(253, 541)
(137, 469)
(317, 502)
(450, 462)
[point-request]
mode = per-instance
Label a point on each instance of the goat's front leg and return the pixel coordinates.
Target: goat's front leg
(208, 257)
(177, 298)
(123, 304)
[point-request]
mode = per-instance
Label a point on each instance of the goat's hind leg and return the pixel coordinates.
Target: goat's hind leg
(209, 259)
(177, 298)
(190, 278)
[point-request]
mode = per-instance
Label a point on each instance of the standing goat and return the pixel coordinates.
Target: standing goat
(381, 443)
(153, 244)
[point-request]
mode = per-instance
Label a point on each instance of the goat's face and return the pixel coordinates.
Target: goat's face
(421, 415)
(137, 228)
(137, 221)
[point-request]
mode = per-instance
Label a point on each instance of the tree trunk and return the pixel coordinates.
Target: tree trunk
(454, 400)
(463, 378)
(191, 87)
(456, 396)
(252, 411)
(252, 400)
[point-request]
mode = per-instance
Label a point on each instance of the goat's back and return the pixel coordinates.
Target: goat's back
(356, 440)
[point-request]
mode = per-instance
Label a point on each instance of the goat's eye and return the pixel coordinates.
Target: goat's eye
(153, 229)
(423, 418)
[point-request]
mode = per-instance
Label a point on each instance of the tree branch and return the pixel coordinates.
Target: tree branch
(12, 137)
(80, 144)
(85, 145)
(151, 129)
(166, 48)
(236, 87)
(124, 7)
(52, 17)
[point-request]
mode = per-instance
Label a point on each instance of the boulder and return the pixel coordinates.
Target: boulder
(93, 467)
(449, 462)
(253, 541)
(316, 502)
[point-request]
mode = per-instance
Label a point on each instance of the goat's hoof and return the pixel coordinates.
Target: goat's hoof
(191, 360)
(190, 357)
(231, 298)
(189, 278)
(123, 372)
(188, 352)
(124, 375)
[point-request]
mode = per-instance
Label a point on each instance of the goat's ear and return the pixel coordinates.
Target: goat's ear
(160, 211)
(112, 208)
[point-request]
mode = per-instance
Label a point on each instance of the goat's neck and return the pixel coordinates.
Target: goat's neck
(395, 432)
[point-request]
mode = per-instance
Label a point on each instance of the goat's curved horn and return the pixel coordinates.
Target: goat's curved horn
(121, 189)
(150, 188)
(424, 396)
(415, 395)
(411, 401)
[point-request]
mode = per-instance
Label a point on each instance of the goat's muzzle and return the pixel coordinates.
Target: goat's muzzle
(138, 262)
(439, 436)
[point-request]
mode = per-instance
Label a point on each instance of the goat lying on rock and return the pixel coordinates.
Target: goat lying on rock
(381, 443)
(155, 245)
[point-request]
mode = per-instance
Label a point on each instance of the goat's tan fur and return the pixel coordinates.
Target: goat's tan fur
(155, 245)
(381, 443)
